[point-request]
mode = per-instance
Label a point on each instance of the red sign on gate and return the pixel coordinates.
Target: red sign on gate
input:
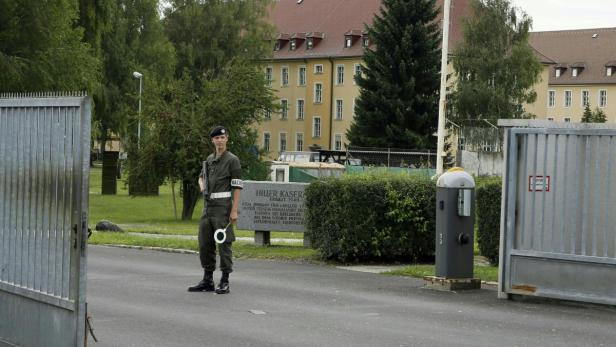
(538, 183)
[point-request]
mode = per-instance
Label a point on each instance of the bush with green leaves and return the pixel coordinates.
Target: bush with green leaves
(372, 217)
(488, 196)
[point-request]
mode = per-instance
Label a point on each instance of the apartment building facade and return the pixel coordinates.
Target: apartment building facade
(583, 72)
(316, 54)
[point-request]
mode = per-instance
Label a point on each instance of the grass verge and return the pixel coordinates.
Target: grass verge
(484, 272)
(241, 249)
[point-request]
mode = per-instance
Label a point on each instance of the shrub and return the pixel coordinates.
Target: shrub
(488, 196)
(372, 217)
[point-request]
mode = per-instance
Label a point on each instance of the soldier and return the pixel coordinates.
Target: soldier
(220, 181)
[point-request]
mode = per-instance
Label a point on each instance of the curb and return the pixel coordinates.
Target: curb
(161, 249)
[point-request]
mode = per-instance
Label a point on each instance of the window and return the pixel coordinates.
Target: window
(567, 98)
(284, 72)
(338, 109)
(293, 45)
(268, 76)
(487, 146)
(567, 119)
(309, 43)
(354, 100)
(551, 98)
(610, 70)
(348, 42)
(365, 41)
(299, 142)
(574, 72)
(340, 74)
(316, 127)
(602, 98)
(284, 109)
(318, 69)
(585, 97)
(268, 114)
(301, 78)
(551, 119)
(557, 73)
(338, 142)
(283, 142)
(277, 45)
(461, 143)
(300, 109)
(357, 71)
(266, 141)
(318, 93)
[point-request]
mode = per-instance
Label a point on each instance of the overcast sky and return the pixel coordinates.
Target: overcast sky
(569, 14)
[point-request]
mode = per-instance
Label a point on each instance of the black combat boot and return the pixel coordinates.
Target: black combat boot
(206, 285)
(223, 286)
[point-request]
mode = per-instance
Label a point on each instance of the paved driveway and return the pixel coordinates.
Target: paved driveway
(139, 298)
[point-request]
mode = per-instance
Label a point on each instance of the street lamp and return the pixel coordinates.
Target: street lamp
(140, 77)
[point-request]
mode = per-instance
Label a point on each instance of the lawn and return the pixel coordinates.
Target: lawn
(155, 215)
(151, 214)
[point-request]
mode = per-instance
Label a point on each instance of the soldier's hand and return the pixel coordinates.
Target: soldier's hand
(233, 217)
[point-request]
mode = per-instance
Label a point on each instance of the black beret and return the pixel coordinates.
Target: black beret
(218, 130)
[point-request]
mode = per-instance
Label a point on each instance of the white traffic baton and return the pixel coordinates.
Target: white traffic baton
(220, 235)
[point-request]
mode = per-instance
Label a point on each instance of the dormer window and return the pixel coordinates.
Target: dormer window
(313, 39)
(577, 68)
(296, 40)
(610, 68)
(350, 37)
(365, 41)
(557, 72)
(281, 41)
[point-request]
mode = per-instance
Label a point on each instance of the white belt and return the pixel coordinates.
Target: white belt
(220, 195)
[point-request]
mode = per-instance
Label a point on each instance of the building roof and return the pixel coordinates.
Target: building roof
(590, 50)
(335, 18)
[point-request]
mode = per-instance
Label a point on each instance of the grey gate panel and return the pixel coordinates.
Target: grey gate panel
(44, 166)
(558, 235)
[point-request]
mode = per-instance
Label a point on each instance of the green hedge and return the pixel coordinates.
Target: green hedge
(372, 217)
(488, 218)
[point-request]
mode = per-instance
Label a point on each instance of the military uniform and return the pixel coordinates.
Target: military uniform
(223, 175)
(220, 177)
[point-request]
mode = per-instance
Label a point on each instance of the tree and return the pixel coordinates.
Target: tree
(216, 82)
(178, 140)
(587, 116)
(596, 116)
(495, 66)
(398, 101)
(599, 116)
(42, 50)
(208, 34)
(136, 42)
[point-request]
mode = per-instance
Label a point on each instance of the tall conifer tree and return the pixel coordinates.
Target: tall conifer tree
(398, 102)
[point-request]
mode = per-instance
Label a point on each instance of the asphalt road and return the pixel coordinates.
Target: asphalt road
(139, 298)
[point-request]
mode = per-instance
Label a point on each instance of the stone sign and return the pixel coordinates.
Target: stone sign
(275, 206)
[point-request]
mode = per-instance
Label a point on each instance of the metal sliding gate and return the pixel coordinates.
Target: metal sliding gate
(44, 166)
(558, 223)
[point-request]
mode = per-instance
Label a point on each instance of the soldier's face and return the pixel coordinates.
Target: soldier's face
(220, 141)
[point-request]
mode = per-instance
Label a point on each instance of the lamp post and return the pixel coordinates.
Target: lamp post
(140, 77)
(442, 97)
